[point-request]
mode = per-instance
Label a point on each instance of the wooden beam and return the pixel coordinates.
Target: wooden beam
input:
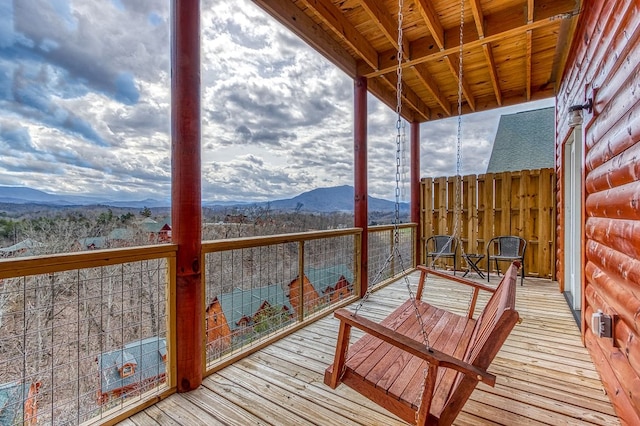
(425, 77)
(493, 71)
(423, 52)
(186, 197)
(528, 62)
(478, 17)
(409, 96)
(333, 18)
(289, 15)
(562, 47)
(454, 65)
(387, 25)
(530, 10)
(361, 193)
(433, 22)
(380, 88)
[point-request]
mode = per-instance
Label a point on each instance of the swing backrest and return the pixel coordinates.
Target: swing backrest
(491, 330)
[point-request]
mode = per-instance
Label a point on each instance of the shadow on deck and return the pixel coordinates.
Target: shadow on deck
(545, 375)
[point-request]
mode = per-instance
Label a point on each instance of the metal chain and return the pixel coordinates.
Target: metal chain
(403, 189)
(458, 188)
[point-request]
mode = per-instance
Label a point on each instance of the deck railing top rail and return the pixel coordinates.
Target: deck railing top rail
(43, 264)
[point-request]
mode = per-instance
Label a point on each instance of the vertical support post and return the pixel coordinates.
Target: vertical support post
(361, 193)
(415, 187)
(186, 210)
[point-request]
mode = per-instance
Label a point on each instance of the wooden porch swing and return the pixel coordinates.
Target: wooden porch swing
(424, 382)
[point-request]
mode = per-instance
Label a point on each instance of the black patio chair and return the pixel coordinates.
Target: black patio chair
(508, 249)
(442, 246)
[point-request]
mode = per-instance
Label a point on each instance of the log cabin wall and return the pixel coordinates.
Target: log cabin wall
(604, 65)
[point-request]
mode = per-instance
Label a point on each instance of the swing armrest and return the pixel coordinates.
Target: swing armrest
(424, 271)
(429, 271)
(433, 356)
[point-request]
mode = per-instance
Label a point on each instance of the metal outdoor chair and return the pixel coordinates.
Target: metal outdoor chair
(442, 247)
(506, 248)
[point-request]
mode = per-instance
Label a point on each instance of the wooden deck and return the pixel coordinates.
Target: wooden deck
(545, 375)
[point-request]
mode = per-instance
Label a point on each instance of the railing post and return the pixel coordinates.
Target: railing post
(361, 193)
(186, 209)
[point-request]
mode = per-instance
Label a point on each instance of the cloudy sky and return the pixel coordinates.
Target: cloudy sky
(85, 106)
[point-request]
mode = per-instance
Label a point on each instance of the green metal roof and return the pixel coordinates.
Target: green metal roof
(524, 141)
(146, 354)
(245, 303)
(12, 397)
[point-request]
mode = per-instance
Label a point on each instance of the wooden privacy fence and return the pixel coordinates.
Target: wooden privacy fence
(518, 203)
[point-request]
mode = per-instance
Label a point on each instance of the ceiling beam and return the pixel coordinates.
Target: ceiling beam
(478, 17)
(493, 72)
(562, 47)
(289, 15)
(333, 18)
(409, 96)
(433, 22)
(421, 51)
(380, 89)
(425, 76)
(454, 66)
(528, 63)
(530, 10)
(387, 25)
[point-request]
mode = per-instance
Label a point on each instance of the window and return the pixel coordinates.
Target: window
(127, 371)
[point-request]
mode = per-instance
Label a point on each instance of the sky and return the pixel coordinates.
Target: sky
(85, 107)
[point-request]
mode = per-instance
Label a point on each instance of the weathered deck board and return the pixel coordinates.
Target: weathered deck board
(545, 376)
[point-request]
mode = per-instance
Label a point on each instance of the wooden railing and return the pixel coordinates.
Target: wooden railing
(69, 323)
(510, 203)
(383, 264)
(254, 292)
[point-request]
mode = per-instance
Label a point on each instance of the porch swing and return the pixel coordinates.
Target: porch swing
(423, 362)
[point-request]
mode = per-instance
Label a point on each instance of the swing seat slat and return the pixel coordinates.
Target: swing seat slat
(389, 363)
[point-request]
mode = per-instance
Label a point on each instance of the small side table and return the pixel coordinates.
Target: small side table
(473, 260)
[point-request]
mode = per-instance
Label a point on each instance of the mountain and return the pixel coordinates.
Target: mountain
(333, 199)
(320, 200)
(24, 195)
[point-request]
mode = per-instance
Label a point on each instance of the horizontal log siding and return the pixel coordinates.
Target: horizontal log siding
(604, 65)
(508, 203)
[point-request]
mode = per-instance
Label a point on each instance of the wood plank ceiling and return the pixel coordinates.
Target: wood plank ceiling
(514, 51)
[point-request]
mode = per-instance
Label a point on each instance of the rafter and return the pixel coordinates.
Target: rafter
(421, 51)
(380, 88)
(295, 19)
(530, 10)
(560, 56)
(454, 65)
(478, 17)
(493, 71)
(528, 62)
(425, 76)
(333, 18)
(433, 22)
(387, 25)
(409, 96)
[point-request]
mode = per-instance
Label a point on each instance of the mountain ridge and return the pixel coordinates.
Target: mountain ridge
(318, 200)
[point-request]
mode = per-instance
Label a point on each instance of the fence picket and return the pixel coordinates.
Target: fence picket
(508, 203)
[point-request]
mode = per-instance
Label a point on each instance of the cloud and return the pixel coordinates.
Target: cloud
(15, 137)
(85, 101)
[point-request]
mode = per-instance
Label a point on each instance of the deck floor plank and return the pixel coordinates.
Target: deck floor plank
(545, 375)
